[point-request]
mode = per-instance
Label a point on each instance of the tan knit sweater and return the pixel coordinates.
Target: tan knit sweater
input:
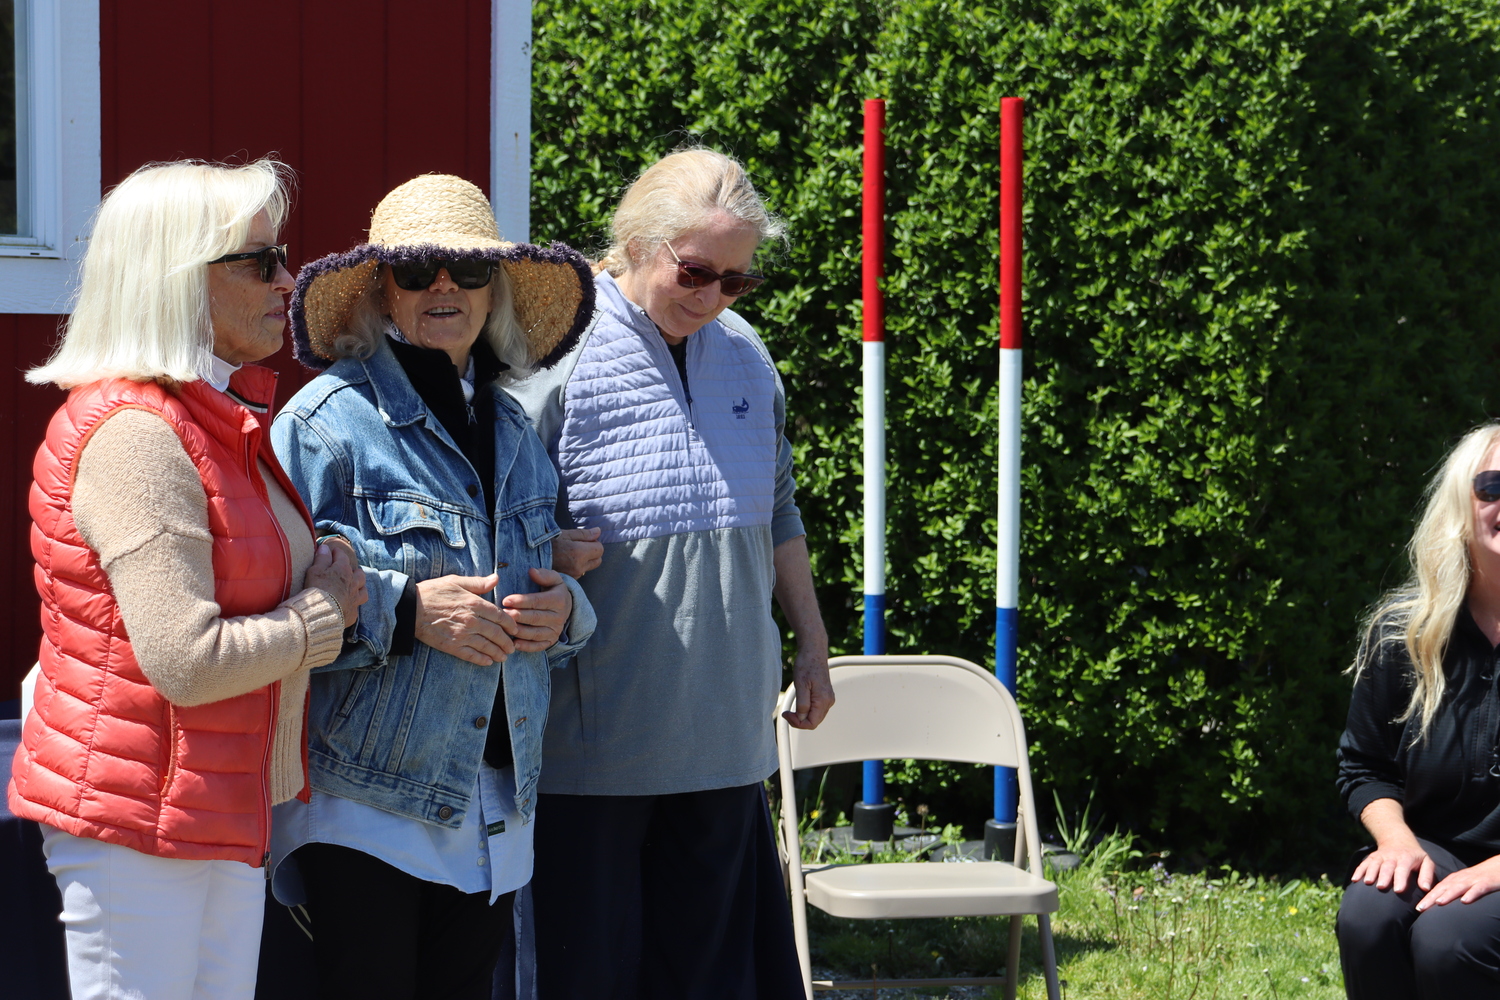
(138, 501)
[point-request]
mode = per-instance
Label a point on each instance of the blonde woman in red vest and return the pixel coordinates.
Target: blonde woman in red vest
(184, 597)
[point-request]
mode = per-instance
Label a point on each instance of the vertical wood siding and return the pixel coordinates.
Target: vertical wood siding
(355, 97)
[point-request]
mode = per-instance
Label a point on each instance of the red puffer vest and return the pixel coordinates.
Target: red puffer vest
(102, 755)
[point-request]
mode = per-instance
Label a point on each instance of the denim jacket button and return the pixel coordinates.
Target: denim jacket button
(445, 813)
(480, 722)
(473, 489)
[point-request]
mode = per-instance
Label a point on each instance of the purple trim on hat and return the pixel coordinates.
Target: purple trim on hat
(552, 253)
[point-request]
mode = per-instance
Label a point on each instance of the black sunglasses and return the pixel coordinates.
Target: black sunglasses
(270, 258)
(691, 274)
(1487, 486)
(416, 276)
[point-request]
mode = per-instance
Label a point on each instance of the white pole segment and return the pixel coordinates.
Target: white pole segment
(1008, 565)
(510, 117)
(874, 460)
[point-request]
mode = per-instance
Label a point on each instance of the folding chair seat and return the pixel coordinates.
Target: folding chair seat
(929, 708)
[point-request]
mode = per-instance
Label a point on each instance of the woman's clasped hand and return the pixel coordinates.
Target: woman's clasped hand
(454, 615)
(334, 570)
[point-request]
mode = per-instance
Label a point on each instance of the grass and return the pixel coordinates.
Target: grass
(1128, 928)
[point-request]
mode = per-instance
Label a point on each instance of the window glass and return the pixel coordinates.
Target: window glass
(10, 220)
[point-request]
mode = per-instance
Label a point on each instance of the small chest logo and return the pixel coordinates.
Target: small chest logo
(740, 408)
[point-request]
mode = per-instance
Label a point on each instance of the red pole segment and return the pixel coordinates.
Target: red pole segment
(1010, 221)
(874, 219)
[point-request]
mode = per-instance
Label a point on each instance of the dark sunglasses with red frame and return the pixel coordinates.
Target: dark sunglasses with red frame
(691, 274)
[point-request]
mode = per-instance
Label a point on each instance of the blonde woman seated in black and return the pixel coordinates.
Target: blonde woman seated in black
(1419, 762)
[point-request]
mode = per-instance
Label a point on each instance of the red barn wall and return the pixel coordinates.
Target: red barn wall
(356, 98)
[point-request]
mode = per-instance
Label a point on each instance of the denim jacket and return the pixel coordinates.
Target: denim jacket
(406, 733)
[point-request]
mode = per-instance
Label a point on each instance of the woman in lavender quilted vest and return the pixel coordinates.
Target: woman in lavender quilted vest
(656, 872)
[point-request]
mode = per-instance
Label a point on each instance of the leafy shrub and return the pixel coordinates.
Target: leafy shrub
(1260, 301)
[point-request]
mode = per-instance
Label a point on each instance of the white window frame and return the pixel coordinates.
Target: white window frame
(38, 270)
(510, 118)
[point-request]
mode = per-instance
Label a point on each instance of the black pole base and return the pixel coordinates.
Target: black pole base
(876, 822)
(999, 841)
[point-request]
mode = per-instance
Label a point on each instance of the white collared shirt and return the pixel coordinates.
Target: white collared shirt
(219, 372)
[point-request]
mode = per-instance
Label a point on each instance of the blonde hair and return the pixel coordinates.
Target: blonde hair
(1420, 614)
(142, 311)
(679, 193)
(360, 337)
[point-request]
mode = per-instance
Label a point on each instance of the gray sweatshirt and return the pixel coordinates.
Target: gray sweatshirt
(693, 489)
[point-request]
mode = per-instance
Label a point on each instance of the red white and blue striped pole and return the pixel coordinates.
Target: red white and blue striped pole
(874, 417)
(1007, 576)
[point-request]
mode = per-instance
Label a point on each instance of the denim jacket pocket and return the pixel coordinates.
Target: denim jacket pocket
(420, 539)
(539, 525)
(394, 515)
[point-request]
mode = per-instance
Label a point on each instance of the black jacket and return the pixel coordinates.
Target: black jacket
(1448, 783)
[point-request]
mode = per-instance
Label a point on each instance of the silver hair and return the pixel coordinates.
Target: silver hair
(677, 194)
(142, 311)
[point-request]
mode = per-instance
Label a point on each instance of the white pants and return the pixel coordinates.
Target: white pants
(145, 928)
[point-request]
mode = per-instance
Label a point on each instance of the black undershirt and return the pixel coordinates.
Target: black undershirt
(436, 379)
(679, 355)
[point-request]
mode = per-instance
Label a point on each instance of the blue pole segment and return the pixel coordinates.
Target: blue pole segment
(874, 624)
(1005, 671)
(874, 771)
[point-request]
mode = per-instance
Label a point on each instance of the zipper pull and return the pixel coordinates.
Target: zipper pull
(265, 862)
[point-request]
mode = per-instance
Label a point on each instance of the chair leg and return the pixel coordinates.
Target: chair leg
(799, 932)
(1013, 960)
(1049, 955)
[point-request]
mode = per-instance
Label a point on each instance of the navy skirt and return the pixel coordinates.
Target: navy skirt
(661, 897)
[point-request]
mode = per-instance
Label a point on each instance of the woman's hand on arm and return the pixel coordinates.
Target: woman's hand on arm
(537, 620)
(1397, 853)
(334, 570)
(575, 551)
(454, 616)
(799, 602)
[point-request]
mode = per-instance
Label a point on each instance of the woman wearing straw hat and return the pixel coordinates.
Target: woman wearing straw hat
(657, 876)
(424, 736)
(183, 597)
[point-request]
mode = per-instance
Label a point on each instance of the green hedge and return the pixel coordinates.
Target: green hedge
(1261, 301)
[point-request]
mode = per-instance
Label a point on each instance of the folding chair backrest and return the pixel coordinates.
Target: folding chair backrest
(925, 707)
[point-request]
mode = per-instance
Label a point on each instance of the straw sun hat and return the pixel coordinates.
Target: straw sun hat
(439, 215)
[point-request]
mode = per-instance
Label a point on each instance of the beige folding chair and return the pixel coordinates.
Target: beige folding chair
(930, 708)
